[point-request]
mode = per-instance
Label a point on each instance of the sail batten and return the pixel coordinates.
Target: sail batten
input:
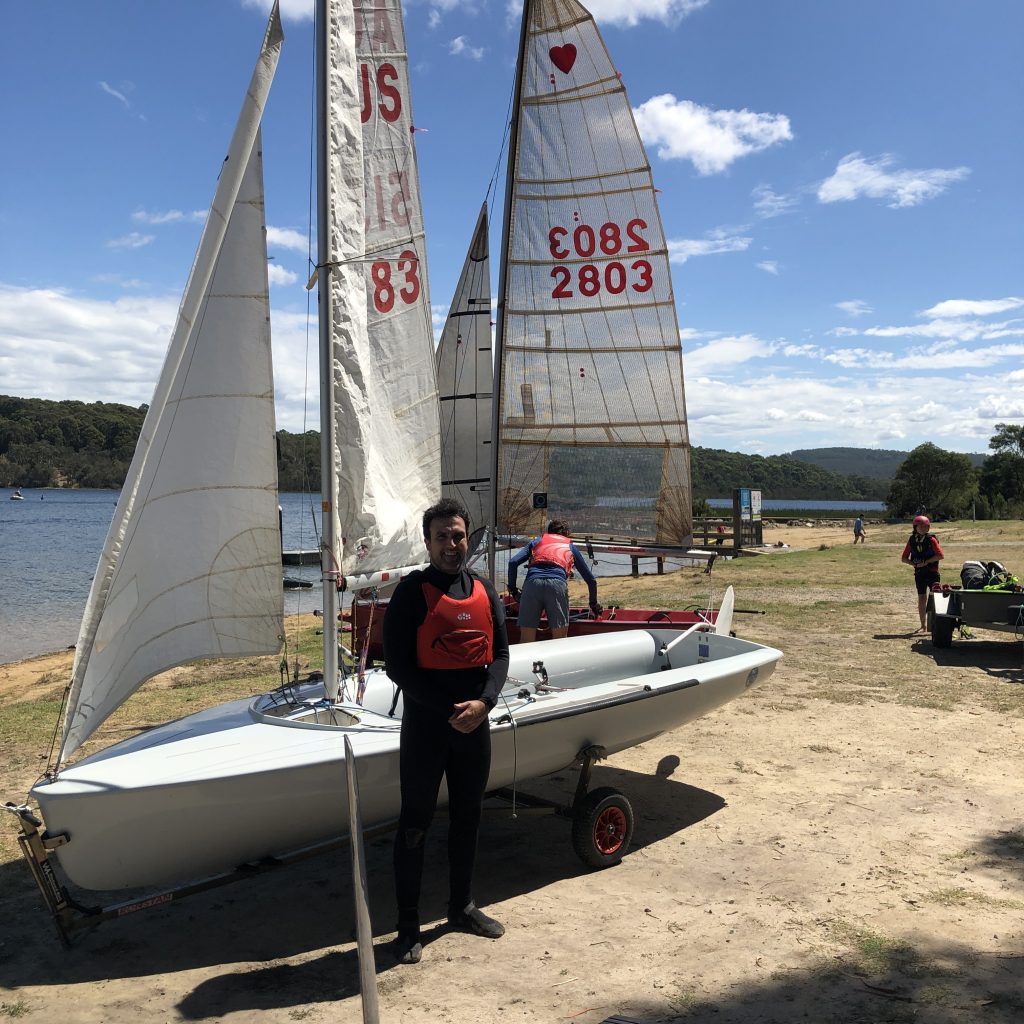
(591, 418)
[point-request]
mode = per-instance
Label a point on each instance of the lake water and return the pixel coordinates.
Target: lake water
(806, 504)
(50, 544)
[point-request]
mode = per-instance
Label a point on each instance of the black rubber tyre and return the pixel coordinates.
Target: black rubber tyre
(942, 630)
(602, 828)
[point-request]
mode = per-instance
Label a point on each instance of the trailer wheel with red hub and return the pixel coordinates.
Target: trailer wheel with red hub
(602, 827)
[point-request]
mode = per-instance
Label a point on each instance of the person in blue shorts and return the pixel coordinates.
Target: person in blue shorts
(551, 556)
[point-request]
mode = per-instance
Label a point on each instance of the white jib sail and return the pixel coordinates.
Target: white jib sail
(191, 566)
(388, 446)
(592, 413)
(465, 374)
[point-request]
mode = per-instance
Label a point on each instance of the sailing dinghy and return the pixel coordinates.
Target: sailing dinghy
(258, 777)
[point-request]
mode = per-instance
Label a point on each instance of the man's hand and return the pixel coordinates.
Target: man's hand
(514, 591)
(468, 715)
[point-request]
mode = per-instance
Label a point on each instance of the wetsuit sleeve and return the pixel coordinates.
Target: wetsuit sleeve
(936, 550)
(497, 671)
(517, 560)
(906, 551)
(405, 614)
(580, 564)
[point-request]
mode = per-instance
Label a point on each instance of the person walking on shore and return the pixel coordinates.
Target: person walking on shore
(858, 530)
(446, 647)
(922, 551)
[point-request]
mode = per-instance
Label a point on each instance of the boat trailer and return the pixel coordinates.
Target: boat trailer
(602, 827)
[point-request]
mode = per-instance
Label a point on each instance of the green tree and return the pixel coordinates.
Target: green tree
(1002, 474)
(941, 483)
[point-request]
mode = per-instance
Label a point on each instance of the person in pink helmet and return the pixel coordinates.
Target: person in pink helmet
(922, 551)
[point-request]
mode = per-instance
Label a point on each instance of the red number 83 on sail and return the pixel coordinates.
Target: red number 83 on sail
(385, 288)
(607, 240)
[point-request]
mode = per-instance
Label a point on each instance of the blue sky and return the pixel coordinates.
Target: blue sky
(841, 191)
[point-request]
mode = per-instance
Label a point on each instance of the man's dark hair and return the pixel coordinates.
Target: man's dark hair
(444, 509)
(559, 526)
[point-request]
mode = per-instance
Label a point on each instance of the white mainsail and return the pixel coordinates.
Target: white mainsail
(387, 443)
(191, 566)
(589, 379)
(465, 373)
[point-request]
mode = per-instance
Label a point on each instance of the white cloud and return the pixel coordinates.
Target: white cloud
(623, 13)
(168, 216)
(291, 10)
(710, 139)
(278, 275)
(770, 204)
(854, 307)
(728, 351)
(682, 249)
(628, 13)
(769, 267)
(287, 238)
(856, 176)
(120, 96)
(133, 240)
(460, 46)
(973, 307)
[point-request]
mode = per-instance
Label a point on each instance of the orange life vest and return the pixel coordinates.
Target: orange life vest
(455, 634)
(552, 549)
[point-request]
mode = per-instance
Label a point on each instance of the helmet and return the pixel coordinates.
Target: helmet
(922, 519)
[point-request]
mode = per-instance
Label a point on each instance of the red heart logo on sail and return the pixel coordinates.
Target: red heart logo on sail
(563, 57)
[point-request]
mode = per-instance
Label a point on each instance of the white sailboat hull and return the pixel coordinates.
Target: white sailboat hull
(254, 778)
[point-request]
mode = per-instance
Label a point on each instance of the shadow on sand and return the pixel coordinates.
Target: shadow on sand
(306, 907)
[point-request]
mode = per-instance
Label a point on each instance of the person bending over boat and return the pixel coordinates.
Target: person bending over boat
(924, 554)
(446, 647)
(552, 556)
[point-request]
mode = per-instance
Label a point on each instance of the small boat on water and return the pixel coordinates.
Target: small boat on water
(17, 495)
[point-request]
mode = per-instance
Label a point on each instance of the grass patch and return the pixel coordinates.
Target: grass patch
(16, 1009)
(875, 954)
(959, 897)
(822, 748)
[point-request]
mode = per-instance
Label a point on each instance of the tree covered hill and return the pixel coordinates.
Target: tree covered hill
(90, 444)
(875, 463)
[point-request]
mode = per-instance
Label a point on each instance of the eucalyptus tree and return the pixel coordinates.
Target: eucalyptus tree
(931, 480)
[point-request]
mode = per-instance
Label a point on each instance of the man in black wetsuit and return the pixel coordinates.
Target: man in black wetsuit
(445, 645)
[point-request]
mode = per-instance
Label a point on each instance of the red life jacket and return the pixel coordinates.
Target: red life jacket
(552, 549)
(455, 634)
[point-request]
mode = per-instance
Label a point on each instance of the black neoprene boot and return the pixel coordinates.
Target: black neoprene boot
(472, 919)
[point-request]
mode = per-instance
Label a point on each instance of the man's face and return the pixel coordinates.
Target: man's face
(447, 544)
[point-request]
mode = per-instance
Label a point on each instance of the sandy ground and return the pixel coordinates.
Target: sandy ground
(794, 859)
